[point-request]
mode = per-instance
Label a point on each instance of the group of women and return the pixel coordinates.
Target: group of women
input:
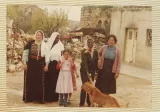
(40, 73)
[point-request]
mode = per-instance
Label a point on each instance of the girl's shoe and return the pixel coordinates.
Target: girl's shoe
(60, 104)
(69, 102)
(65, 105)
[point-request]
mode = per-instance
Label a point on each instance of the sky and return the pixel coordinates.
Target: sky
(74, 12)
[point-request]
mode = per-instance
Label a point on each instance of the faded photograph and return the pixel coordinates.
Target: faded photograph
(79, 56)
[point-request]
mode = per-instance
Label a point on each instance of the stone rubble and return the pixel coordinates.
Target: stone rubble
(14, 55)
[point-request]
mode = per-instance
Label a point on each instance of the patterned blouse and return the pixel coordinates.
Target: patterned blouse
(35, 50)
(110, 53)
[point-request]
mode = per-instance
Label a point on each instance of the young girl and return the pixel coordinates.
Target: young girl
(74, 72)
(64, 83)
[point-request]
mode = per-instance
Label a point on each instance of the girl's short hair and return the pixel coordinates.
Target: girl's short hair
(66, 50)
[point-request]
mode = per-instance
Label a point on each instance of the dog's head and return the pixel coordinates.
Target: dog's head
(87, 87)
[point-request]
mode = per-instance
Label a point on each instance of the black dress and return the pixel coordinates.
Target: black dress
(34, 76)
(51, 78)
(106, 81)
(50, 82)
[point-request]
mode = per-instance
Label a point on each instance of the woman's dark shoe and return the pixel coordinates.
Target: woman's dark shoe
(81, 105)
(89, 105)
(42, 102)
(27, 101)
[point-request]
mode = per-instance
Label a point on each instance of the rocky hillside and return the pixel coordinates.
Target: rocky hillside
(22, 15)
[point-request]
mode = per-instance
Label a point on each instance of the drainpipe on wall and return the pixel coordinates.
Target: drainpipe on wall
(119, 32)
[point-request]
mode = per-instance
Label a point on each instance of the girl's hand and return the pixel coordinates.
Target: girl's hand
(116, 75)
(46, 68)
(71, 61)
(63, 60)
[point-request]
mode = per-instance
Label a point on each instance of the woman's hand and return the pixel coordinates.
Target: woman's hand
(46, 68)
(77, 75)
(116, 75)
(25, 67)
(96, 73)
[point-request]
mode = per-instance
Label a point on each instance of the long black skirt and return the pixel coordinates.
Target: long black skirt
(106, 81)
(34, 81)
(50, 82)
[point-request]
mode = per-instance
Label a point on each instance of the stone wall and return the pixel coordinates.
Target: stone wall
(91, 15)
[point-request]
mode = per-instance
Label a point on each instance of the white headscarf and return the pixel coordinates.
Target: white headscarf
(44, 47)
(42, 35)
(52, 39)
(55, 52)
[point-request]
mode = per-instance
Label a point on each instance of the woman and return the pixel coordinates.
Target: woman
(56, 47)
(36, 60)
(109, 65)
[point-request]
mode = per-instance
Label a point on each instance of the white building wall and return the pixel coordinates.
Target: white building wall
(142, 20)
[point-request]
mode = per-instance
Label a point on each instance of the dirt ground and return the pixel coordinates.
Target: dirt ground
(132, 92)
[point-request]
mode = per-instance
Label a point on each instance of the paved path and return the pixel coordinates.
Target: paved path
(133, 89)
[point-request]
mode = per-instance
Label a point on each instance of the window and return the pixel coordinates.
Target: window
(130, 34)
(99, 23)
(105, 22)
(136, 35)
(149, 37)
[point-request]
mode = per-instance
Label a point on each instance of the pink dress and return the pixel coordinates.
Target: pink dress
(64, 82)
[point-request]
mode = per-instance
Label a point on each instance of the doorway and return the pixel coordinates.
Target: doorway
(130, 45)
